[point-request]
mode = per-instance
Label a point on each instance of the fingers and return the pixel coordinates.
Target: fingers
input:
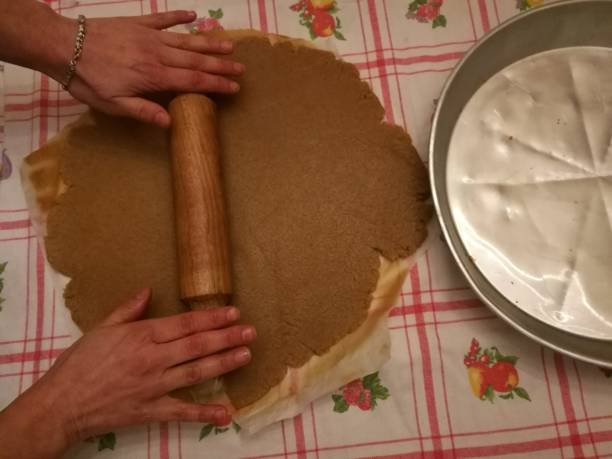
(207, 343)
(181, 80)
(181, 325)
(197, 43)
(200, 62)
(164, 20)
(189, 374)
(170, 409)
(143, 110)
(130, 310)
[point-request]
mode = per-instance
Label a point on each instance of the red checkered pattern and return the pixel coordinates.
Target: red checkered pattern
(431, 411)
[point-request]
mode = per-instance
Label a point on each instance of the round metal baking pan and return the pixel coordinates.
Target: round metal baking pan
(557, 25)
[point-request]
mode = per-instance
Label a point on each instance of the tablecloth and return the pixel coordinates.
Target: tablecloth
(444, 392)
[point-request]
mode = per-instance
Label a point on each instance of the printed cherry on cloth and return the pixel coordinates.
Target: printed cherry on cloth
(460, 382)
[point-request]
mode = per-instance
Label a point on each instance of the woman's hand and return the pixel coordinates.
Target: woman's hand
(125, 59)
(120, 373)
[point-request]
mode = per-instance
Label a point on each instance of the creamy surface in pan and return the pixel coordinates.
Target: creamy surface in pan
(530, 183)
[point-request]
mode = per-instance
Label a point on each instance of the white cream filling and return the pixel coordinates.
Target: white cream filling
(530, 184)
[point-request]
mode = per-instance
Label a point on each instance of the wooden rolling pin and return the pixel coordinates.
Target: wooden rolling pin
(199, 207)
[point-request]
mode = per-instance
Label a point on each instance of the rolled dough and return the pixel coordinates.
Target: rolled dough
(318, 189)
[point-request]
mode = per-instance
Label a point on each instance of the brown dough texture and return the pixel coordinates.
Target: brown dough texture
(317, 186)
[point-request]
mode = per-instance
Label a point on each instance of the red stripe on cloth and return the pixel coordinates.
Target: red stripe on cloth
(22, 238)
(584, 408)
(430, 394)
(27, 318)
(22, 357)
(15, 224)
(300, 441)
(469, 4)
(484, 451)
(34, 339)
(500, 449)
(568, 406)
(439, 346)
(52, 324)
(284, 439)
(12, 211)
(148, 441)
(314, 429)
(40, 311)
(164, 452)
(263, 20)
(550, 400)
(383, 62)
(444, 322)
(153, 4)
(363, 37)
(484, 15)
(415, 405)
(275, 16)
(179, 446)
(384, 82)
(43, 105)
(440, 306)
(409, 48)
(397, 82)
(250, 13)
(496, 11)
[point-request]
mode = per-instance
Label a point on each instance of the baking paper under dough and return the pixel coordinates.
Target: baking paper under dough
(317, 188)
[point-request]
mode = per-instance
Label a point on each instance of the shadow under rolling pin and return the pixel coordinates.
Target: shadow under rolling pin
(199, 205)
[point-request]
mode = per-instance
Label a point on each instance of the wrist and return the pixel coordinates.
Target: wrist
(36, 426)
(53, 60)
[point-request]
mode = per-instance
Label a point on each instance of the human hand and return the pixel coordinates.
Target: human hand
(127, 58)
(120, 373)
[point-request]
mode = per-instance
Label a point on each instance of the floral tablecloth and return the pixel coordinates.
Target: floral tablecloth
(461, 383)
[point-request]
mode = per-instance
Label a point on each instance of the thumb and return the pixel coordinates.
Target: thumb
(131, 310)
(143, 110)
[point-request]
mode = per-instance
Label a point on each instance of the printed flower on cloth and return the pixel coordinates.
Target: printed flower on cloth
(207, 429)
(205, 24)
(490, 372)
(319, 17)
(363, 393)
(427, 11)
(526, 4)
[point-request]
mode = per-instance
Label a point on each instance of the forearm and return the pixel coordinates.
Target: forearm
(34, 36)
(33, 427)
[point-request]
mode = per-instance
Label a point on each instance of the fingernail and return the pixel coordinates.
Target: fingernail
(238, 67)
(234, 86)
(227, 45)
(220, 415)
(242, 356)
(248, 334)
(192, 14)
(160, 119)
(233, 314)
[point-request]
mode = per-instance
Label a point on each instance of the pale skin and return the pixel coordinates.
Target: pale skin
(120, 373)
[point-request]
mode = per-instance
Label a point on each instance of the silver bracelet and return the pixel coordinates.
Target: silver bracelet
(78, 50)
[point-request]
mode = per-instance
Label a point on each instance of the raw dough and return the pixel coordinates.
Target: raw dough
(318, 187)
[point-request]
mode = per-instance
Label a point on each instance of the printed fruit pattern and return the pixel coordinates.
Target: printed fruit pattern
(205, 24)
(362, 393)
(427, 11)
(319, 17)
(526, 4)
(490, 372)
